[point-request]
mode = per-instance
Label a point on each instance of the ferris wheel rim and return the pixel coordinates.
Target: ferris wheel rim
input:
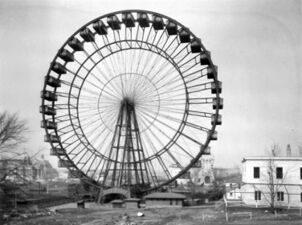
(153, 13)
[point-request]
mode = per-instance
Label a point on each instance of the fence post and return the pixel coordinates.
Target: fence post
(225, 200)
(226, 215)
(275, 212)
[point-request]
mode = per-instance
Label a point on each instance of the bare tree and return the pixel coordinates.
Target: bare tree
(273, 182)
(12, 131)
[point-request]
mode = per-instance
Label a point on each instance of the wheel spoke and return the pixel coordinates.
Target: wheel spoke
(130, 94)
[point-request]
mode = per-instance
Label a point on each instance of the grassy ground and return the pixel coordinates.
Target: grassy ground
(104, 215)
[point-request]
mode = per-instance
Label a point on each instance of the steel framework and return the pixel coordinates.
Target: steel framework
(127, 95)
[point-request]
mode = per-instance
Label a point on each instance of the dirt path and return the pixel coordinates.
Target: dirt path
(94, 214)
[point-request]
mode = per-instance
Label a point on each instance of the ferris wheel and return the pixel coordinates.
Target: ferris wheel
(128, 95)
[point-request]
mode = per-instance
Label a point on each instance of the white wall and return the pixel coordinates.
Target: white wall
(234, 194)
(291, 184)
(291, 170)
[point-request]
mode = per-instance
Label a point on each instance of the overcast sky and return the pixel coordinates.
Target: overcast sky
(256, 44)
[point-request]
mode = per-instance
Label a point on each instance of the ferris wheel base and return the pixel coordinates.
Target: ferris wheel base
(131, 193)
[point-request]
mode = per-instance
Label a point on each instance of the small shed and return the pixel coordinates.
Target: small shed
(117, 204)
(131, 203)
(164, 199)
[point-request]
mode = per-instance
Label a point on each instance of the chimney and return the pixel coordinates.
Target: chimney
(288, 151)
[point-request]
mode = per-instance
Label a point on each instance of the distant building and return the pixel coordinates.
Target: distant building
(234, 194)
(19, 170)
(232, 184)
(165, 199)
(45, 171)
(283, 175)
(26, 170)
(131, 203)
(117, 203)
(201, 173)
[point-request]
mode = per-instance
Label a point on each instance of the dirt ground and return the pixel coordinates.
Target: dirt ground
(104, 215)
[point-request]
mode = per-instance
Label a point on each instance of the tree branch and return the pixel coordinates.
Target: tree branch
(12, 131)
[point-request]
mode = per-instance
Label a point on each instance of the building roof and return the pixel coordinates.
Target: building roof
(164, 195)
(131, 200)
(276, 158)
(180, 189)
(117, 201)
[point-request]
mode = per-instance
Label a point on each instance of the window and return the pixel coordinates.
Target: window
(301, 197)
(256, 172)
(279, 172)
(280, 196)
(257, 195)
(300, 172)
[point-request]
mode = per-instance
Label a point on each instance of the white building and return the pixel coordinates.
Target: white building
(264, 177)
(234, 194)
